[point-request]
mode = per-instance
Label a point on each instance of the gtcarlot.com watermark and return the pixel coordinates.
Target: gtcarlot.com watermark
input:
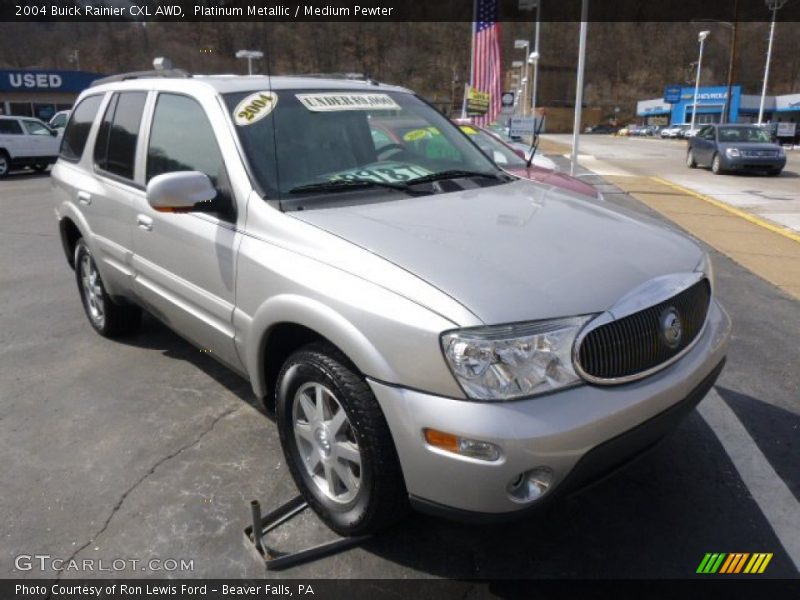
(46, 562)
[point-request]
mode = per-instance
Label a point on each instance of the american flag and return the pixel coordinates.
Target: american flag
(486, 57)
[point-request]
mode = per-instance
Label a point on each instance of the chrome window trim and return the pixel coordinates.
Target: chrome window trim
(645, 296)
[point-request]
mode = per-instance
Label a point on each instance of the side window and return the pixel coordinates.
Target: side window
(77, 130)
(115, 149)
(36, 128)
(10, 127)
(181, 139)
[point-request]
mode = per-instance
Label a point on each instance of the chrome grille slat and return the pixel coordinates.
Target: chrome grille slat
(633, 344)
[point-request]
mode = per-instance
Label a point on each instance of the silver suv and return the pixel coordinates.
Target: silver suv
(431, 331)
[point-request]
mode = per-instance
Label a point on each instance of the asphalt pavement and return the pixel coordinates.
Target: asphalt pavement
(146, 448)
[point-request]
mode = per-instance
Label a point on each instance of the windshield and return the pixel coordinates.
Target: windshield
(743, 134)
(501, 155)
(308, 141)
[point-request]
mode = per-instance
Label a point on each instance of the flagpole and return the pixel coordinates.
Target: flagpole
(471, 60)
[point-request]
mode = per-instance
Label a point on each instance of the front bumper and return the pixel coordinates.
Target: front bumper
(754, 163)
(565, 431)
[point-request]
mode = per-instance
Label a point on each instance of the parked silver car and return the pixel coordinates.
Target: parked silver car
(430, 330)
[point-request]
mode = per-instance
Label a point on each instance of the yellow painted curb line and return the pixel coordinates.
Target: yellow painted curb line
(739, 213)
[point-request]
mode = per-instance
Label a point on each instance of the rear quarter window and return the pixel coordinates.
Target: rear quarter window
(10, 127)
(77, 130)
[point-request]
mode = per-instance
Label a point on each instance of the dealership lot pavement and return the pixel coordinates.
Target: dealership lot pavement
(776, 199)
(145, 448)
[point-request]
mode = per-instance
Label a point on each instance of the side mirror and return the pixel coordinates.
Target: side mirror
(54, 132)
(181, 191)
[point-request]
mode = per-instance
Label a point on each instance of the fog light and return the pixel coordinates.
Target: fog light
(531, 485)
(463, 446)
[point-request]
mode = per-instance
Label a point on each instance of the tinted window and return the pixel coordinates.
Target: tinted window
(181, 139)
(36, 128)
(10, 127)
(115, 150)
(77, 130)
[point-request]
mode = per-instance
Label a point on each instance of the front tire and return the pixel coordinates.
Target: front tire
(337, 444)
(107, 317)
(716, 165)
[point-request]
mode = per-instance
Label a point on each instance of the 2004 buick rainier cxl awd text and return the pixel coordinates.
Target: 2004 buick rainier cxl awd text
(433, 332)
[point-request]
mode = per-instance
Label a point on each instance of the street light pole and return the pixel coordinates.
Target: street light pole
(576, 126)
(250, 55)
(773, 5)
(700, 38)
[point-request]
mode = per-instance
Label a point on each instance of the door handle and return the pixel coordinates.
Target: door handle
(84, 198)
(144, 222)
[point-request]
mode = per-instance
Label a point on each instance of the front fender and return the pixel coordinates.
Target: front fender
(300, 310)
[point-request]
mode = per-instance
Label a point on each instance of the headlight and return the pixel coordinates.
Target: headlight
(706, 267)
(732, 152)
(512, 361)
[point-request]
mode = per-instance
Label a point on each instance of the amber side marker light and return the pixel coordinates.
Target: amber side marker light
(461, 446)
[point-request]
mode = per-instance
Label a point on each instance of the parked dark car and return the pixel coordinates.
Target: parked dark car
(735, 148)
(601, 128)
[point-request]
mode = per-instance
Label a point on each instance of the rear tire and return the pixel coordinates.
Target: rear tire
(337, 444)
(690, 161)
(716, 165)
(5, 163)
(107, 317)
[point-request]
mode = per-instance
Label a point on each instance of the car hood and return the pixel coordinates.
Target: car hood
(517, 251)
(750, 145)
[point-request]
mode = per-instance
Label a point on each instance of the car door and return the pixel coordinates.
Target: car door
(106, 198)
(41, 141)
(185, 263)
(702, 145)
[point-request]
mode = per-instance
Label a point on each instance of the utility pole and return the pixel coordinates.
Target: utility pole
(576, 126)
(773, 5)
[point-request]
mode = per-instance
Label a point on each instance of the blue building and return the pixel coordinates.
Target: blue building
(712, 103)
(41, 93)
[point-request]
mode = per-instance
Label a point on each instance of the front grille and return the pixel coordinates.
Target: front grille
(637, 343)
(759, 153)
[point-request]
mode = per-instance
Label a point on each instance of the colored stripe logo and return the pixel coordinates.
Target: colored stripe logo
(734, 562)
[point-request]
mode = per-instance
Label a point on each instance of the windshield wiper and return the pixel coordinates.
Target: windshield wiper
(342, 185)
(452, 174)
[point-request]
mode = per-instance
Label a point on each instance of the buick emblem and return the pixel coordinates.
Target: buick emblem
(671, 327)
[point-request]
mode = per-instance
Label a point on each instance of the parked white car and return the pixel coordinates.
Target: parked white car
(59, 120)
(26, 142)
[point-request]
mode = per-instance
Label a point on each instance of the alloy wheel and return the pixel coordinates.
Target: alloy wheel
(326, 442)
(92, 291)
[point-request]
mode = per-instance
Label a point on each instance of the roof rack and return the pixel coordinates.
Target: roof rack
(349, 76)
(168, 73)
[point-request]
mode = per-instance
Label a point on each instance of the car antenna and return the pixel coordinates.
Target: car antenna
(534, 141)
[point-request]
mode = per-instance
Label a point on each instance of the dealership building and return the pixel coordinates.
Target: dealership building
(41, 93)
(711, 104)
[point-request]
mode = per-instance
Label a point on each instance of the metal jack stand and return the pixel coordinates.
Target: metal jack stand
(276, 560)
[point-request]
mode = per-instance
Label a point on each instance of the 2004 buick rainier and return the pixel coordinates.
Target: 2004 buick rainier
(431, 331)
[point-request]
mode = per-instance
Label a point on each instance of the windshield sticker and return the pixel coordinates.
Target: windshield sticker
(337, 102)
(254, 108)
(388, 172)
(419, 134)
